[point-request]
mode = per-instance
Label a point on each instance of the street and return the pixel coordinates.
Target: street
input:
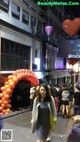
(21, 127)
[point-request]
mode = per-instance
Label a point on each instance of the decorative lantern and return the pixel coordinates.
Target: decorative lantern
(48, 30)
(72, 61)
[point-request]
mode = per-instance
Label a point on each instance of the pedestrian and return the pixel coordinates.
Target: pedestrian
(76, 100)
(32, 96)
(65, 102)
(43, 114)
(74, 135)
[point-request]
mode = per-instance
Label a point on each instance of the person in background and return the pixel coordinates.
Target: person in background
(32, 96)
(65, 102)
(53, 93)
(44, 114)
(74, 135)
(76, 100)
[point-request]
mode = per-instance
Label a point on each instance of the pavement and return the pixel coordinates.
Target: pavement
(19, 123)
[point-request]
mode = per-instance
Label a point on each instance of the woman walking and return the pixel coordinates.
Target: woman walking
(65, 102)
(43, 114)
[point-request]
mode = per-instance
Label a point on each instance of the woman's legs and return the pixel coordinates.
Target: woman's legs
(67, 110)
(63, 109)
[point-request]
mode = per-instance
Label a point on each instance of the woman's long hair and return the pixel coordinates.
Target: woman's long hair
(47, 97)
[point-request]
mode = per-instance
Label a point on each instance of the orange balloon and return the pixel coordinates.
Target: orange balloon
(10, 95)
(5, 102)
(6, 83)
(4, 111)
(1, 108)
(9, 101)
(15, 80)
(8, 110)
(1, 95)
(3, 99)
(9, 106)
(10, 77)
(6, 96)
(3, 105)
(8, 91)
(4, 92)
(11, 84)
(3, 88)
(1, 102)
(6, 86)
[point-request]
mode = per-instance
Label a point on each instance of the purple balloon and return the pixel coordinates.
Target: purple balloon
(48, 30)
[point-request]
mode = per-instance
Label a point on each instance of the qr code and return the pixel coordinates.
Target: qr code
(6, 135)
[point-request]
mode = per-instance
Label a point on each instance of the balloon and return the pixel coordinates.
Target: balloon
(6, 96)
(9, 105)
(8, 110)
(1, 102)
(8, 91)
(15, 80)
(11, 84)
(3, 105)
(6, 86)
(5, 102)
(4, 92)
(10, 77)
(76, 21)
(1, 108)
(1, 95)
(22, 74)
(4, 111)
(3, 88)
(3, 99)
(70, 27)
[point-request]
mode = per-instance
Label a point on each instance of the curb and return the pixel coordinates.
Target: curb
(12, 114)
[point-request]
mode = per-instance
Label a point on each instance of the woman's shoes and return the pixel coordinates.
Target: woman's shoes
(48, 138)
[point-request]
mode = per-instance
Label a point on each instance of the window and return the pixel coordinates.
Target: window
(6, 1)
(14, 55)
(25, 17)
(4, 5)
(33, 21)
(36, 53)
(15, 10)
(39, 27)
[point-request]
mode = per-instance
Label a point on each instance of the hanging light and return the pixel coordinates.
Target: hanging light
(48, 30)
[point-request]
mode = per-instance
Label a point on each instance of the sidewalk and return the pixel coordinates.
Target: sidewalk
(14, 113)
(19, 122)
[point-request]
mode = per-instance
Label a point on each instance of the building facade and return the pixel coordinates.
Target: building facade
(22, 36)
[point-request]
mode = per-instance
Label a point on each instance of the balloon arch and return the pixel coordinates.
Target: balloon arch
(9, 85)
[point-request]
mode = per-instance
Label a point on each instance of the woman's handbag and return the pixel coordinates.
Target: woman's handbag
(52, 122)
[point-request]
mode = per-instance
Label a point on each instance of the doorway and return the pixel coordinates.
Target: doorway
(20, 96)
